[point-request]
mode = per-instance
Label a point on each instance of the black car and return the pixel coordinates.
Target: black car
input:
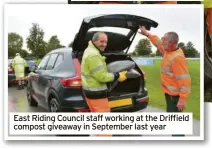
(11, 73)
(56, 83)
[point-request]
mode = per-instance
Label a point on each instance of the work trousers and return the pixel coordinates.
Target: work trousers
(171, 105)
(99, 105)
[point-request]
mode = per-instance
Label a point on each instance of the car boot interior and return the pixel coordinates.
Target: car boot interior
(131, 85)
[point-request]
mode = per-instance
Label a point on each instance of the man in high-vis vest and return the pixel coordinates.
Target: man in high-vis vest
(95, 75)
(19, 65)
(175, 78)
(208, 12)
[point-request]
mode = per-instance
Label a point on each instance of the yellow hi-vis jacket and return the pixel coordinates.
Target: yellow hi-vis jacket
(19, 65)
(94, 73)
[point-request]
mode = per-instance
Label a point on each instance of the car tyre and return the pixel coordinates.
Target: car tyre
(54, 105)
(30, 99)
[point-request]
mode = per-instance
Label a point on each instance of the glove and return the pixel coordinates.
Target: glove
(122, 76)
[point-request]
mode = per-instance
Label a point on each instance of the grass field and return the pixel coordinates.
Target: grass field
(157, 98)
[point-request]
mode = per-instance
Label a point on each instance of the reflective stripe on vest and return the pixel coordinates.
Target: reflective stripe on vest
(166, 69)
(97, 69)
(176, 89)
(93, 71)
(166, 72)
(172, 58)
(95, 88)
(86, 76)
(182, 76)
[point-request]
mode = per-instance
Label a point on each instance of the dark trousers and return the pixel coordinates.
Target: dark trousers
(171, 105)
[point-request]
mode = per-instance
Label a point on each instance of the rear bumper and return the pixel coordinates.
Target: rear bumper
(76, 103)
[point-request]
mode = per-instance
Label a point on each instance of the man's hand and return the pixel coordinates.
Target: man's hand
(143, 31)
(181, 105)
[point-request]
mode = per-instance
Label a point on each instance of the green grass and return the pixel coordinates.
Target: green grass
(156, 95)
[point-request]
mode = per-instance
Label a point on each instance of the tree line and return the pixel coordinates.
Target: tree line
(35, 42)
(38, 47)
(144, 48)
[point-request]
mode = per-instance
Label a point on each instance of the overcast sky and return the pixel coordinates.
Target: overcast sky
(65, 20)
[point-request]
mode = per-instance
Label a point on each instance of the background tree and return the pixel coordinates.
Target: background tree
(182, 46)
(53, 43)
(35, 41)
(15, 43)
(132, 53)
(143, 48)
(24, 53)
(190, 50)
(152, 55)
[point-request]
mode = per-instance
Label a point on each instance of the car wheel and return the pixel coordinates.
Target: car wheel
(54, 105)
(207, 59)
(30, 99)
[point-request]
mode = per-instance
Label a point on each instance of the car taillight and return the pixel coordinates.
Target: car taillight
(10, 70)
(71, 82)
(75, 81)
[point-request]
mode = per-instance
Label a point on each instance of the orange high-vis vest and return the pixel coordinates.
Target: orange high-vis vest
(175, 78)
